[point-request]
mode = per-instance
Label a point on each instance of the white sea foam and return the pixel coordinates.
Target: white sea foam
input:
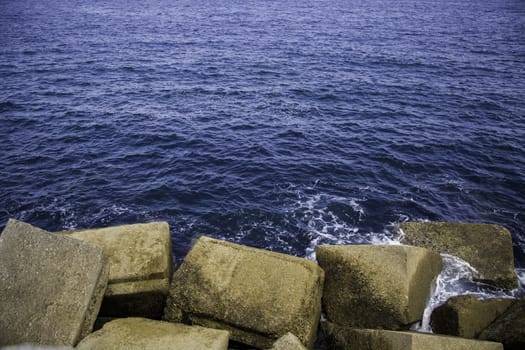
(65, 213)
(455, 279)
(314, 214)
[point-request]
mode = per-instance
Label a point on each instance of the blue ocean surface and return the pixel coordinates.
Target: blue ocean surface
(276, 124)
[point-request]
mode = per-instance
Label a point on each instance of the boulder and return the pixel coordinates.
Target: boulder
(466, 316)
(51, 286)
(377, 286)
(288, 342)
(508, 328)
(255, 294)
(140, 260)
(146, 334)
(488, 248)
(345, 338)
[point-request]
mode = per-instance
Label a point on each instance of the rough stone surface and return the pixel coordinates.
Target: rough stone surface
(140, 260)
(466, 316)
(343, 338)
(146, 334)
(35, 347)
(255, 294)
(377, 286)
(488, 248)
(51, 286)
(509, 328)
(288, 342)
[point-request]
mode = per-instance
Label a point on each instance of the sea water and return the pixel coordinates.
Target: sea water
(277, 124)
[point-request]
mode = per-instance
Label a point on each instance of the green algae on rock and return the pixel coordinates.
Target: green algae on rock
(377, 286)
(487, 247)
(256, 294)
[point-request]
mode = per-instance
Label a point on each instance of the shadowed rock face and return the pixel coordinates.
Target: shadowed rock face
(345, 338)
(140, 259)
(377, 286)
(145, 334)
(509, 328)
(255, 294)
(51, 287)
(466, 316)
(488, 248)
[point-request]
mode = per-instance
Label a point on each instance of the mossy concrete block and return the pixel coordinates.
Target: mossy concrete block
(345, 338)
(51, 287)
(146, 334)
(466, 316)
(508, 328)
(377, 286)
(255, 294)
(488, 248)
(288, 342)
(140, 259)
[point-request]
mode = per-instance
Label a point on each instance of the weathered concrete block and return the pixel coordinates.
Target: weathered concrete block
(377, 286)
(466, 316)
(145, 334)
(255, 294)
(51, 286)
(488, 248)
(35, 347)
(288, 342)
(508, 328)
(343, 338)
(140, 259)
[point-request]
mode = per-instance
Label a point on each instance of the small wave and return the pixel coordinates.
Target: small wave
(54, 215)
(455, 279)
(8, 106)
(331, 219)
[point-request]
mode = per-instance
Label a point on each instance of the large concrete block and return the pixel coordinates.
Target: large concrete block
(51, 286)
(509, 327)
(466, 316)
(255, 294)
(140, 259)
(377, 286)
(145, 334)
(488, 248)
(343, 338)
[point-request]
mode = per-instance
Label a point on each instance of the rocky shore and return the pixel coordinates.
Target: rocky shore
(114, 288)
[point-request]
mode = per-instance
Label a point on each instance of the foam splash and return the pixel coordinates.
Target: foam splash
(316, 215)
(456, 278)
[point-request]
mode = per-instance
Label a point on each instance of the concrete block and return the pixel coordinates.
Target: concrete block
(342, 338)
(488, 248)
(51, 286)
(140, 259)
(288, 342)
(509, 327)
(146, 334)
(255, 294)
(466, 316)
(377, 286)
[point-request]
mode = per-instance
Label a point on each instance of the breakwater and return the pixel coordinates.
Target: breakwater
(120, 280)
